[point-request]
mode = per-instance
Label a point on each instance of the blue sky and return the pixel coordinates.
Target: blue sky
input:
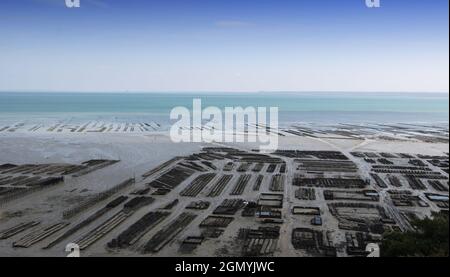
(224, 45)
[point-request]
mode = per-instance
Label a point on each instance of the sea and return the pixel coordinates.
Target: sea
(308, 107)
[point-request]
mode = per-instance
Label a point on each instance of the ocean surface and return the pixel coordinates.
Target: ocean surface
(293, 107)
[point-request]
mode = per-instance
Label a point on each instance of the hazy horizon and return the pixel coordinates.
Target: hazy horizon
(428, 93)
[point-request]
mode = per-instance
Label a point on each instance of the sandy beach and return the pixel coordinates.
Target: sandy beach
(140, 153)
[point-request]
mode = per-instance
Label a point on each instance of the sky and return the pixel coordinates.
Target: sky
(224, 46)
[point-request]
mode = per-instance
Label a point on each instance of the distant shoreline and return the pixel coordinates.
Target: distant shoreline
(193, 92)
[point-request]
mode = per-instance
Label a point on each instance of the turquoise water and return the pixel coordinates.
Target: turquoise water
(306, 107)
